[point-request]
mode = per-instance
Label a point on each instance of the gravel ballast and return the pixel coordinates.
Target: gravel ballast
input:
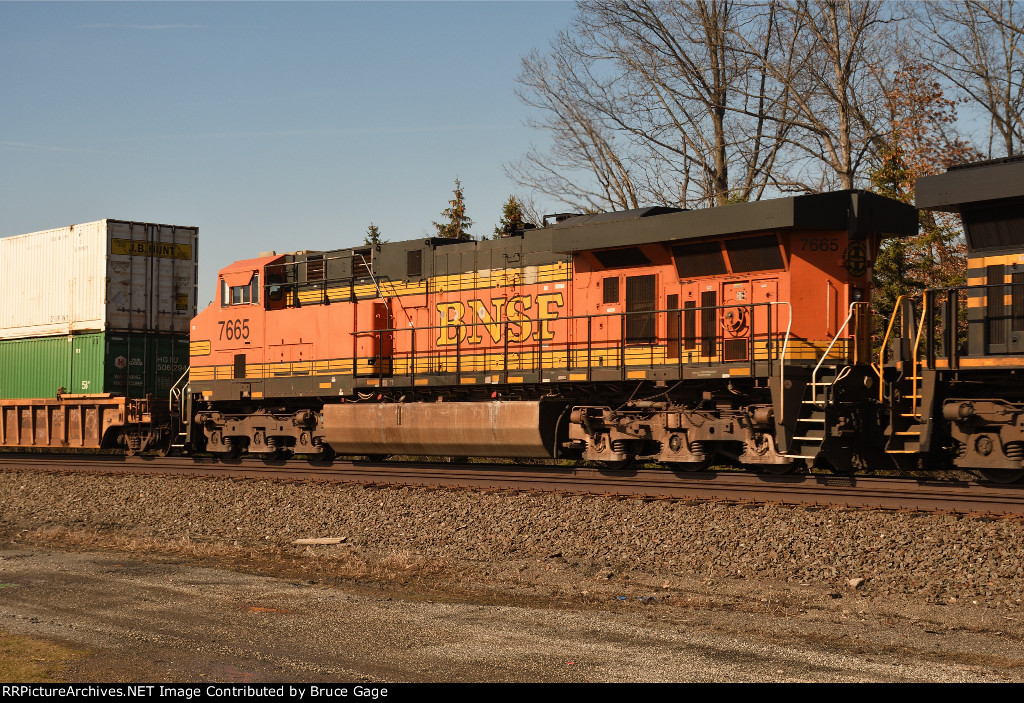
(527, 539)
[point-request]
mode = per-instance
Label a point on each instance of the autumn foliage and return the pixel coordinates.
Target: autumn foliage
(920, 142)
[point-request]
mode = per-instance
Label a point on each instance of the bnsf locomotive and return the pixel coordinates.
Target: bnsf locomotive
(740, 332)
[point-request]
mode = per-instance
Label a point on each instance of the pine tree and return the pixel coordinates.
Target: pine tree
(512, 218)
(373, 236)
(458, 224)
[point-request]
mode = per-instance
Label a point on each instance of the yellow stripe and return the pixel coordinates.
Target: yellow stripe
(200, 348)
(528, 359)
(1011, 361)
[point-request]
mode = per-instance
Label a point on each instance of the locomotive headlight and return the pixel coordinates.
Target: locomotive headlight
(857, 294)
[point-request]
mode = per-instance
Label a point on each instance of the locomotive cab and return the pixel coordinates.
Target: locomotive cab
(965, 344)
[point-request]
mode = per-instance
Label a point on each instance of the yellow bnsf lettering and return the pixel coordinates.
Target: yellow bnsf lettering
(498, 317)
(452, 329)
(545, 313)
(520, 327)
(490, 322)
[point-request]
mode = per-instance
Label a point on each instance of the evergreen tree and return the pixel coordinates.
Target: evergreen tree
(918, 144)
(457, 224)
(373, 236)
(512, 218)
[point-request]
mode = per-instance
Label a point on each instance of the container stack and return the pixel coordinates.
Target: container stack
(101, 307)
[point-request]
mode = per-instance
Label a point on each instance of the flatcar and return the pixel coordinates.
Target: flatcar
(739, 332)
(94, 323)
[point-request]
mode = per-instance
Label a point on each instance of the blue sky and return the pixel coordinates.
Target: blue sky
(269, 125)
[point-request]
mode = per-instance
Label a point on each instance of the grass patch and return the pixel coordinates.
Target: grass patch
(28, 660)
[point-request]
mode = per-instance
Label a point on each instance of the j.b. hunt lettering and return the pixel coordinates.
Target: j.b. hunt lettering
(466, 322)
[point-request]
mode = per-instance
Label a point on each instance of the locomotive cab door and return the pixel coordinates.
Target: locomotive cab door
(765, 324)
(641, 302)
(375, 347)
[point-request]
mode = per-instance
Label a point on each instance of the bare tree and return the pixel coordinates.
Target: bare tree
(707, 101)
(979, 47)
(831, 58)
(654, 100)
(584, 169)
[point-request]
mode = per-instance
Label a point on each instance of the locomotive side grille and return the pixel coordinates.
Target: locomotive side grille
(610, 290)
(315, 267)
(734, 350)
(361, 263)
(640, 297)
(700, 259)
(414, 263)
(689, 324)
(622, 258)
(672, 332)
(995, 306)
(754, 254)
(708, 329)
(994, 227)
(1017, 309)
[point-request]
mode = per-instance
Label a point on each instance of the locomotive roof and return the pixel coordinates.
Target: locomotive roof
(978, 182)
(858, 212)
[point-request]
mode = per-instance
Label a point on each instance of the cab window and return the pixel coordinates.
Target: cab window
(249, 294)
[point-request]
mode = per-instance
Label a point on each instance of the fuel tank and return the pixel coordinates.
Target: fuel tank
(497, 429)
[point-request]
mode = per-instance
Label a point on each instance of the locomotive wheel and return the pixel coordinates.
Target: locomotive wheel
(689, 466)
(231, 454)
(1001, 476)
(775, 469)
(845, 468)
(620, 465)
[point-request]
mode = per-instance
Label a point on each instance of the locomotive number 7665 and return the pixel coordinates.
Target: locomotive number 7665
(234, 329)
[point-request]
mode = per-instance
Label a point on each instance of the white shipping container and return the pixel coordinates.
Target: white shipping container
(110, 275)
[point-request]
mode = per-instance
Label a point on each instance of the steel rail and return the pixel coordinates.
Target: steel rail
(908, 494)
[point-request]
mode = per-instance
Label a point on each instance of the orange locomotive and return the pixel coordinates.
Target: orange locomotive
(656, 333)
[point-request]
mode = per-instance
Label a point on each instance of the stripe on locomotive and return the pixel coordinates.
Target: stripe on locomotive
(498, 362)
(313, 292)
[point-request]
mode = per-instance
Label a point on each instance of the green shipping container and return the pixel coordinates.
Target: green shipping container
(129, 364)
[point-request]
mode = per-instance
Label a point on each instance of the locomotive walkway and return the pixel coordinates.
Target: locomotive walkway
(857, 492)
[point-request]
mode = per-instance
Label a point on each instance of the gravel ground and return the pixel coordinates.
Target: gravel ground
(899, 588)
(934, 558)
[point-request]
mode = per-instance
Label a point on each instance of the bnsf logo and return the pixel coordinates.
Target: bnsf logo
(501, 314)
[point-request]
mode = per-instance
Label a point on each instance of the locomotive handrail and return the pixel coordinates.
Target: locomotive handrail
(782, 363)
(814, 373)
(174, 394)
(897, 309)
(914, 372)
(537, 349)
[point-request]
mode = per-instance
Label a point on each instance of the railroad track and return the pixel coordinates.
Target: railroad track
(954, 496)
